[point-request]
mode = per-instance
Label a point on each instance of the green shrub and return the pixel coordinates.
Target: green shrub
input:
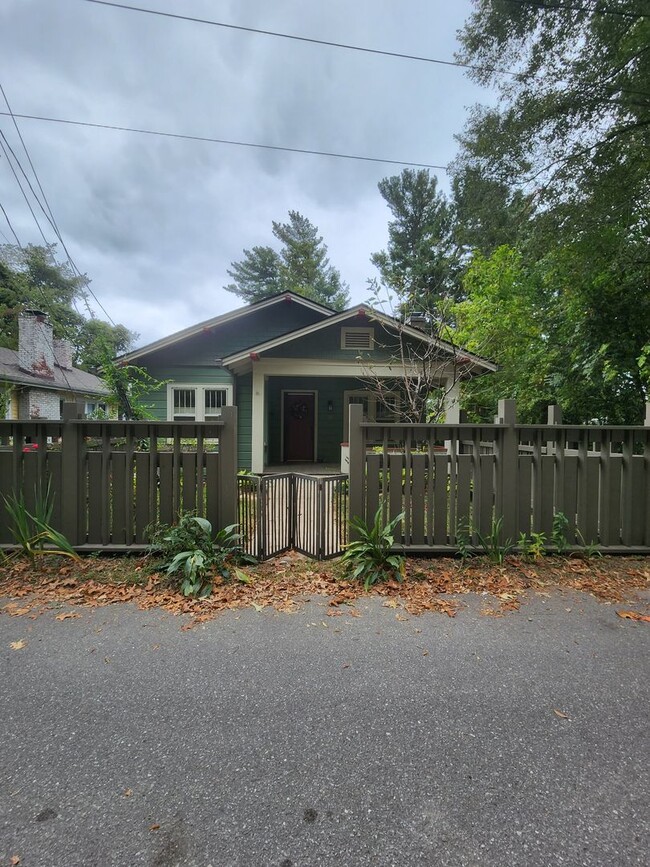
(369, 558)
(558, 534)
(533, 548)
(190, 550)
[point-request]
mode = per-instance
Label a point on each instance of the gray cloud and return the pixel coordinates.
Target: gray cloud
(156, 222)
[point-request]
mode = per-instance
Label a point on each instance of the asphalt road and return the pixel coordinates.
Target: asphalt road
(295, 740)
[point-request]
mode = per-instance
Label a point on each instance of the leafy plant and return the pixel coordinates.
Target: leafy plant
(32, 531)
(534, 547)
(558, 534)
(589, 550)
(369, 558)
(492, 545)
(191, 548)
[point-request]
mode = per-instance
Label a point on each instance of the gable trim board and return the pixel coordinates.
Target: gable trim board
(240, 361)
(193, 330)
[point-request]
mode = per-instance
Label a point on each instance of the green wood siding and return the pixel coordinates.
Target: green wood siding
(326, 344)
(190, 374)
(256, 327)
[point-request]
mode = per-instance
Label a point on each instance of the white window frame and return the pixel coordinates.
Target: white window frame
(199, 400)
(366, 330)
(373, 403)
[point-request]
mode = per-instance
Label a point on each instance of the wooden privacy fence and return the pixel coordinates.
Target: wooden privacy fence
(109, 480)
(455, 480)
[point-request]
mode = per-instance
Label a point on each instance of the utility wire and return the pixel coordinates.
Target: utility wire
(244, 144)
(73, 266)
(292, 36)
(6, 147)
(13, 231)
(50, 340)
(5, 144)
(31, 164)
(48, 214)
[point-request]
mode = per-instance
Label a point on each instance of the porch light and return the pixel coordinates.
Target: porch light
(330, 406)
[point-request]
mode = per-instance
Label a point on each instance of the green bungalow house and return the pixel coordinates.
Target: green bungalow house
(292, 367)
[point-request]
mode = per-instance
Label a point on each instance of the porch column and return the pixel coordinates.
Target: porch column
(451, 402)
(257, 425)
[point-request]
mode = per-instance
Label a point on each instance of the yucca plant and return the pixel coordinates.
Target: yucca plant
(370, 557)
(32, 531)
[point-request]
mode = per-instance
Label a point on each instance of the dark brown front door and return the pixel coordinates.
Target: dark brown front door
(299, 419)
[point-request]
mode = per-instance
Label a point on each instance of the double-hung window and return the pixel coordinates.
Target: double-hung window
(385, 409)
(196, 402)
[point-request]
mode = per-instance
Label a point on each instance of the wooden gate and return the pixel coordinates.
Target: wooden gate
(293, 511)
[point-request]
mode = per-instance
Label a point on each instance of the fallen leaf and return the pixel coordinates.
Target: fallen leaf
(634, 615)
(18, 645)
(16, 612)
(14, 860)
(561, 714)
(257, 607)
(68, 615)
(345, 665)
(128, 793)
(154, 827)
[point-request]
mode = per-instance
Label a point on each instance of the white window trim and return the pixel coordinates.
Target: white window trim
(200, 390)
(369, 331)
(372, 399)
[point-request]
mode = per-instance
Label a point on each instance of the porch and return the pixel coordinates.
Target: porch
(299, 421)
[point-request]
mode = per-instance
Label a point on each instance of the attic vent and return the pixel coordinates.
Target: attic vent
(357, 338)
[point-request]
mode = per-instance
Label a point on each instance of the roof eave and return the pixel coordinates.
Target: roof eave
(231, 315)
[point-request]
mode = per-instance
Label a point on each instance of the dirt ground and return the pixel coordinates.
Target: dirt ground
(28, 588)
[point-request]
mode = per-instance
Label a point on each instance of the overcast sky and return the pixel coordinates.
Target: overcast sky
(155, 222)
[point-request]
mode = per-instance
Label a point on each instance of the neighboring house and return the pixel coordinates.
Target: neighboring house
(292, 367)
(38, 377)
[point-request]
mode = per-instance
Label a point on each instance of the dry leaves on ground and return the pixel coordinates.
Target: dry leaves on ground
(283, 583)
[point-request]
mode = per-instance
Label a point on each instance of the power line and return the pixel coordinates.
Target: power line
(49, 216)
(29, 159)
(4, 144)
(75, 269)
(278, 35)
(9, 224)
(208, 139)
(50, 340)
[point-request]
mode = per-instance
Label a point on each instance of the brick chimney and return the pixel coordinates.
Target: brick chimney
(63, 352)
(35, 344)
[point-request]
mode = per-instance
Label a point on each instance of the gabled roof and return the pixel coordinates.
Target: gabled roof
(64, 379)
(178, 336)
(483, 364)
